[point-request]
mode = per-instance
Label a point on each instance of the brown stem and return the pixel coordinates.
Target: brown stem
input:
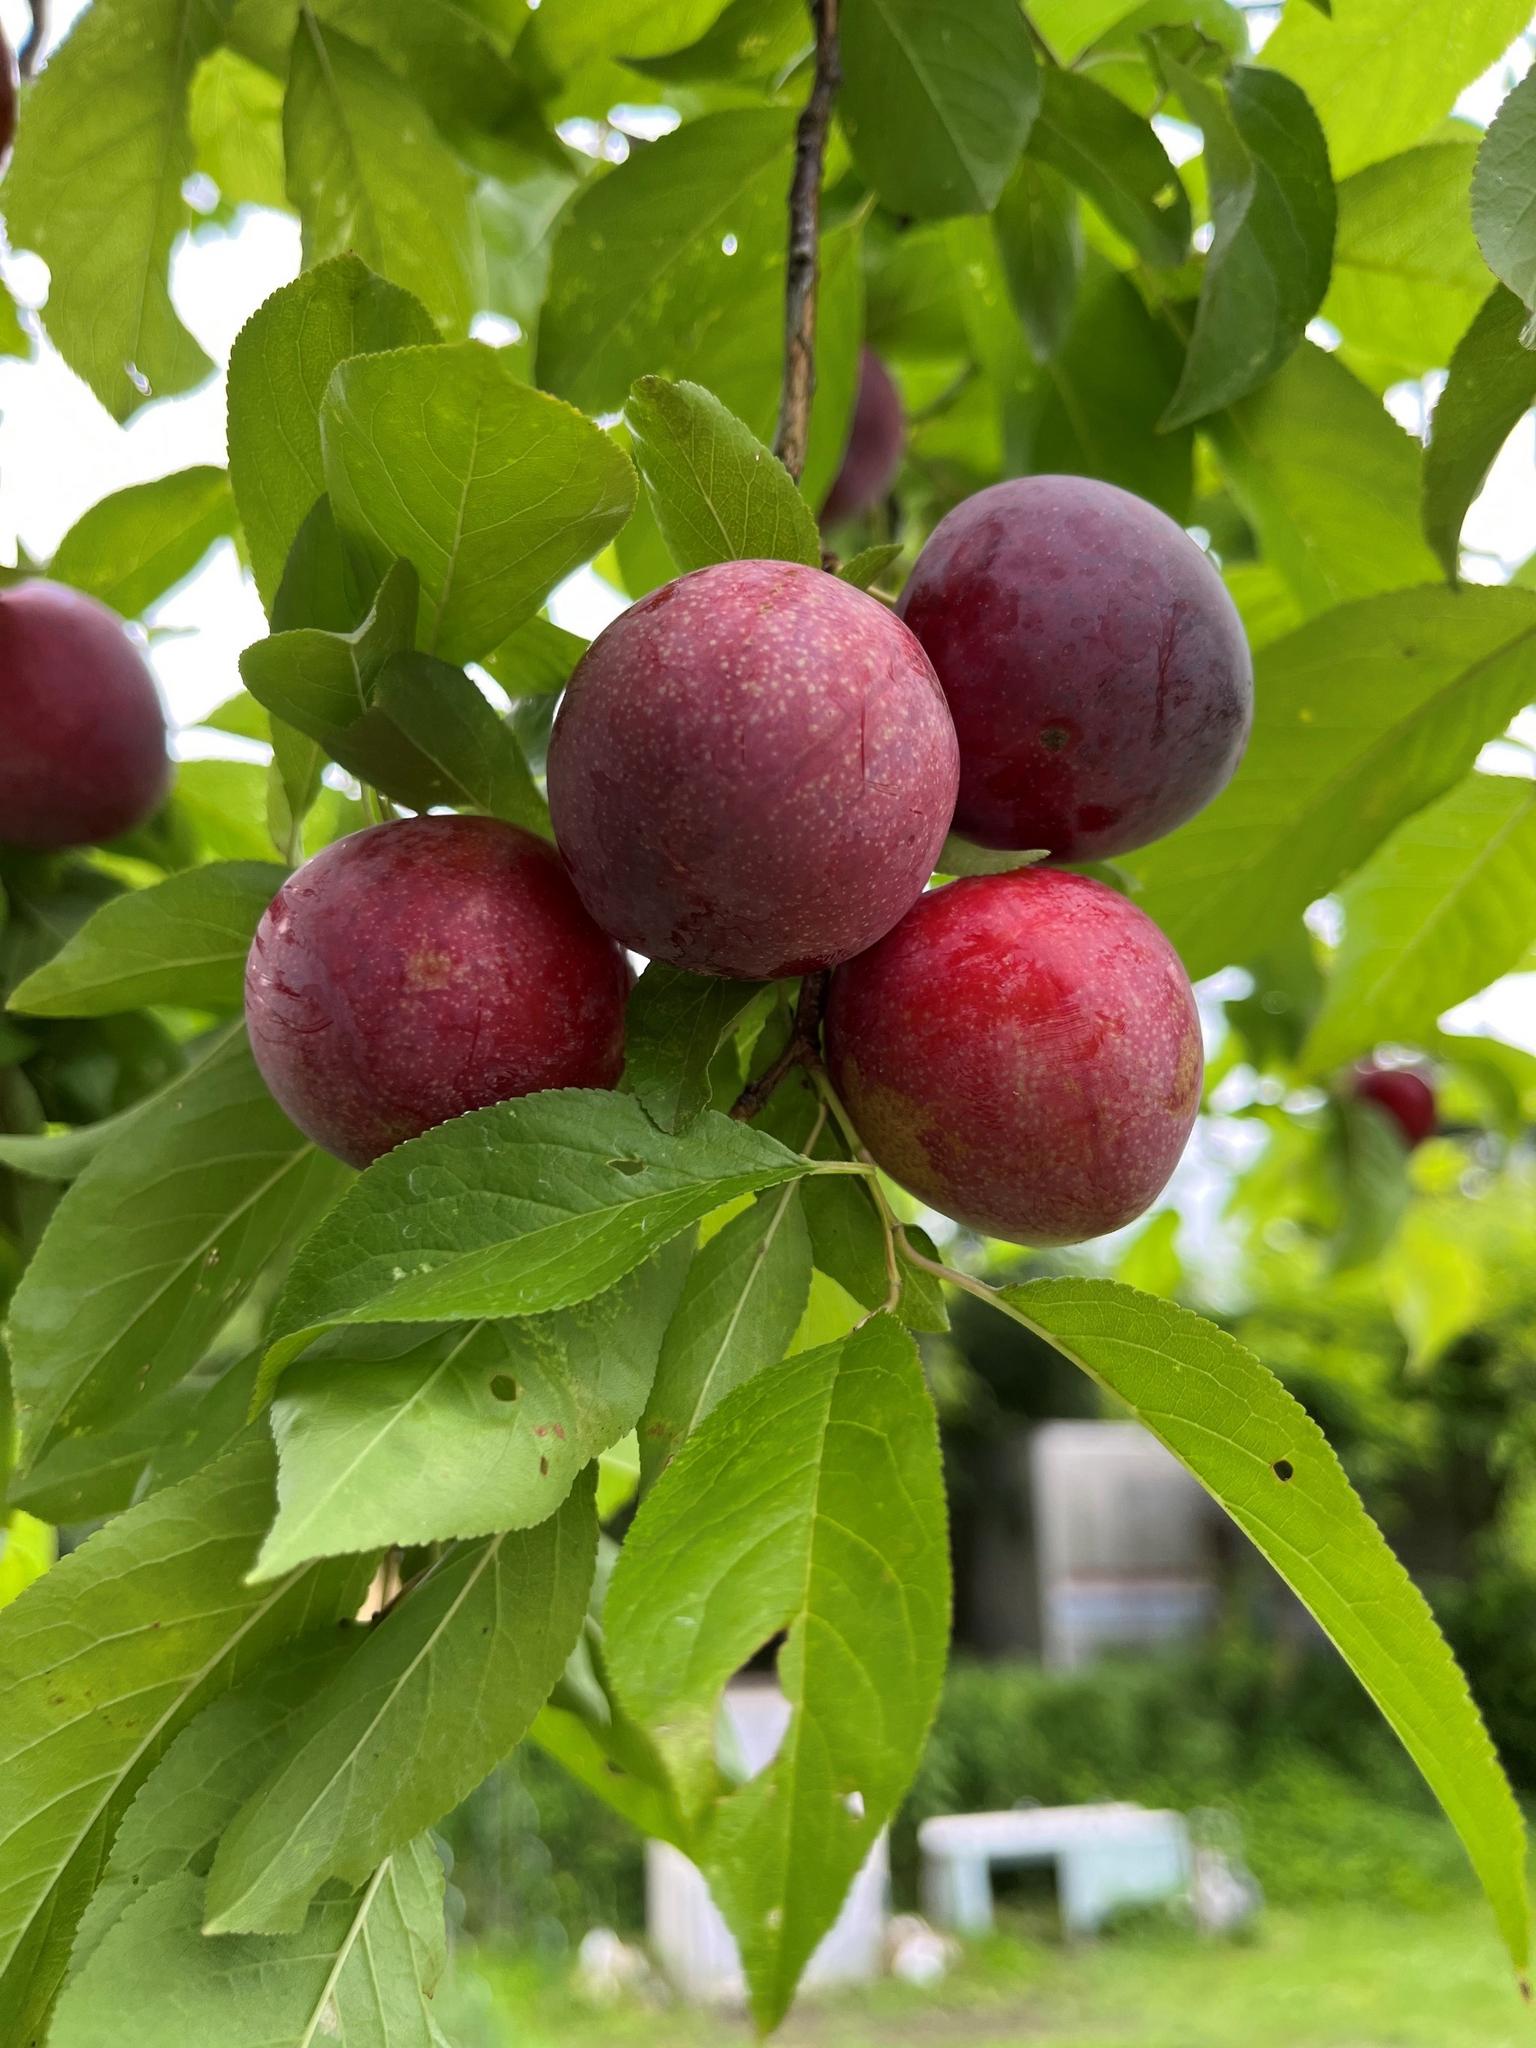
(803, 265)
(32, 48)
(803, 1048)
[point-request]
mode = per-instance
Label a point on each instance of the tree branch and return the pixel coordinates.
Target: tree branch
(32, 48)
(804, 264)
(803, 1049)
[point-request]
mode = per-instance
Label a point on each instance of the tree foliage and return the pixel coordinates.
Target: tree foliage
(273, 1377)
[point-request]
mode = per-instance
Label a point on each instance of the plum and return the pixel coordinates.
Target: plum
(10, 92)
(423, 968)
(752, 771)
(82, 734)
(1407, 1098)
(877, 440)
(1097, 670)
(1023, 1053)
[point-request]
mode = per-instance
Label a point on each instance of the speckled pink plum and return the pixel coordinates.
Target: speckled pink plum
(1407, 1098)
(421, 969)
(82, 735)
(877, 440)
(752, 771)
(1023, 1053)
(1097, 670)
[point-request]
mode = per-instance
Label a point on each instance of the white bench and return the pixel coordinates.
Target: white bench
(1106, 1857)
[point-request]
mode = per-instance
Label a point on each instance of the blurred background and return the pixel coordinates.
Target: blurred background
(1116, 1639)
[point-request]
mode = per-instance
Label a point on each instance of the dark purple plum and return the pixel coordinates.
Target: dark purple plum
(420, 969)
(1097, 671)
(752, 771)
(82, 734)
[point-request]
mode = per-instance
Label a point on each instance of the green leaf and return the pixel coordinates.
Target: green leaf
(536, 659)
(28, 1548)
(958, 856)
(183, 941)
(741, 1304)
(1407, 272)
(1490, 389)
(812, 1501)
(1445, 905)
(134, 546)
(1329, 771)
(526, 1206)
(101, 1663)
(576, 33)
(279, 368)
(718, 494)
(85, 1478)
(409, 1436)
(489, 1630)
(235, 113)
(1381, 73)
(478, 763)
(202, 1781)
(848, 1245)
(96, 190)
(673, 265)
(155, 1245)
(1328, 480)
(1115, 159)
(640, 282)
(370, 176)
(937, 102)
(361, 1969)
(1110, 380)
(64, 1155)
(1366, 1162)
(1504, 195)
(494, 490)
(1272, 212)
(676, 1024)
(1254, 1447)
(1040, 243)
(752, 42)
(865, 569)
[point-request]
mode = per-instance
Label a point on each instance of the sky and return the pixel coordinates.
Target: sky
(60, 452)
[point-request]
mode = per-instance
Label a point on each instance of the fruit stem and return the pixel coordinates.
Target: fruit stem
(966, 1282)
(803, 265)
(803, 1048)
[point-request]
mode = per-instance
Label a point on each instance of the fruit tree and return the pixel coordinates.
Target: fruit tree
(487, 1122)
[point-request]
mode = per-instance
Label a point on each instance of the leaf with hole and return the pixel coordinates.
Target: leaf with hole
(527, 1206)
(1253, 1446)
(811, 1500)
(414, 1436)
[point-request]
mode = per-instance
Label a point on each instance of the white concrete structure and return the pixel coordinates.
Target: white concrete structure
(1124, 1541)
(1106, 1857)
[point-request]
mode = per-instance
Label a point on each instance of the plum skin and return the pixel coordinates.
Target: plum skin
(1096, 668)
(426, 967)
(877, 440)
(82, 735)
(752, 771)
(1022, 1053)
(1406, 1097)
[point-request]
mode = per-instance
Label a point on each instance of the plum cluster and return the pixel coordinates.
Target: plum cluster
(752, 774)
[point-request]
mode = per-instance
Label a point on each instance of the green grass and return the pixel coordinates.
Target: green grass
(1349, 1977)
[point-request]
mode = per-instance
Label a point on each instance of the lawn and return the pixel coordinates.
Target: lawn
(1351, 1978)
